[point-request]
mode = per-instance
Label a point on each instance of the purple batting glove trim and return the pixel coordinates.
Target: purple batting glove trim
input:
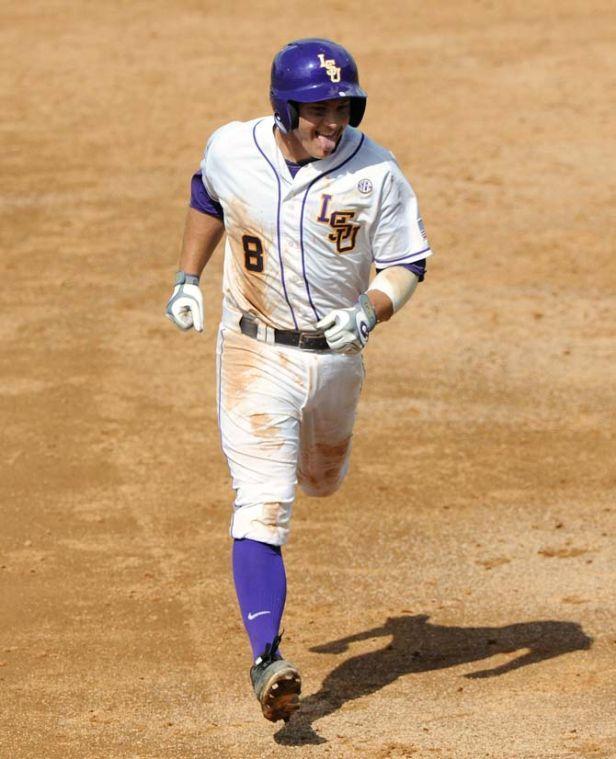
(200, 200)
(417, 267)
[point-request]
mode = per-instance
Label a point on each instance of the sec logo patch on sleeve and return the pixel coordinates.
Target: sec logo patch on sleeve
(364, 186)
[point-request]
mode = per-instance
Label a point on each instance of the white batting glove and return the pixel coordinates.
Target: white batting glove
(185, 306)
(347, 329)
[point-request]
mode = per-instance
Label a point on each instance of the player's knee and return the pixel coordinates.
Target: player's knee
(321, 491)
(267, 522)
(321, 488)
(321, 481)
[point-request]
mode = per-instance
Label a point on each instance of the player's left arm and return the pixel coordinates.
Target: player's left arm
(399, 250)
(347, 329)
(391, 289)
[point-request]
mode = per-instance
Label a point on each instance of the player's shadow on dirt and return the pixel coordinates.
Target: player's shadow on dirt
(419, 646)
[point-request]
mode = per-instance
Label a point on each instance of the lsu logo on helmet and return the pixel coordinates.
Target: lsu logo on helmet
(333, 71)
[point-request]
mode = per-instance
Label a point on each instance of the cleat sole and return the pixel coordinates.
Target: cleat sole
(280, 696)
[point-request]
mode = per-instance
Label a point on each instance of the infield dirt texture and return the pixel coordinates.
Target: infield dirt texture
(456, 597)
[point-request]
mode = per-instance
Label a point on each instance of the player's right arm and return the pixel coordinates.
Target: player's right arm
(203, 228)
(202, 233)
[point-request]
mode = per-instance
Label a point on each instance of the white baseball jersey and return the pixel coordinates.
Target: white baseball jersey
(299, 247)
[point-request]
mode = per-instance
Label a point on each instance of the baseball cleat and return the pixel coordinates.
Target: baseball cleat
(276, 683)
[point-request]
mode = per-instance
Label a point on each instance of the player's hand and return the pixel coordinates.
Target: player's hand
(347, 329)
(185, 306)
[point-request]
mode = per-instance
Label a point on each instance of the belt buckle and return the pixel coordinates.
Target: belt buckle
(249, 326)
(307, 340)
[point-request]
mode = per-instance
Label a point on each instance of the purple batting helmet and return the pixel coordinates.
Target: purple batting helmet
(310, 70)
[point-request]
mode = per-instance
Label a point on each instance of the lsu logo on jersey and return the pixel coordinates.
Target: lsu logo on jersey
(333, 71)
(344, 233)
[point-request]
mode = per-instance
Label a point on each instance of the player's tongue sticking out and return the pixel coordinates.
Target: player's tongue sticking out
(327, 143)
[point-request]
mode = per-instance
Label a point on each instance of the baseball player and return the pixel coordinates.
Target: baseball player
(308, 204)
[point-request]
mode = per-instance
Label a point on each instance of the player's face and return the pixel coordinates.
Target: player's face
(321, 125)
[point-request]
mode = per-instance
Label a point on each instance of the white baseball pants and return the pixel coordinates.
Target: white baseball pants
(286, 415)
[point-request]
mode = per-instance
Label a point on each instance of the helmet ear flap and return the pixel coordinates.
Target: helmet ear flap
(279, 123)
(293, 115)
(358, 108)
(289, 119)
(286, 114)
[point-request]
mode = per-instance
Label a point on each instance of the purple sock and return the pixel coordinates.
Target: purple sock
(261, 587)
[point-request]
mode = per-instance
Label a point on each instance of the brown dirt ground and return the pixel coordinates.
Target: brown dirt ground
(456, 597)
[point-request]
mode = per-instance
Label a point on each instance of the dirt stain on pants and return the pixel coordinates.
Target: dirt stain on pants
(322, 467)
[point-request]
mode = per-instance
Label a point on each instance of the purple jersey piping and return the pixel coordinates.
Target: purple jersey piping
(301, 220)
(272, 167)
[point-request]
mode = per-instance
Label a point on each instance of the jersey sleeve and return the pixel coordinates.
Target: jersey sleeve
(214, 166)
(209, 164)
(200, 198)
(398, 236)
(417, 267)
